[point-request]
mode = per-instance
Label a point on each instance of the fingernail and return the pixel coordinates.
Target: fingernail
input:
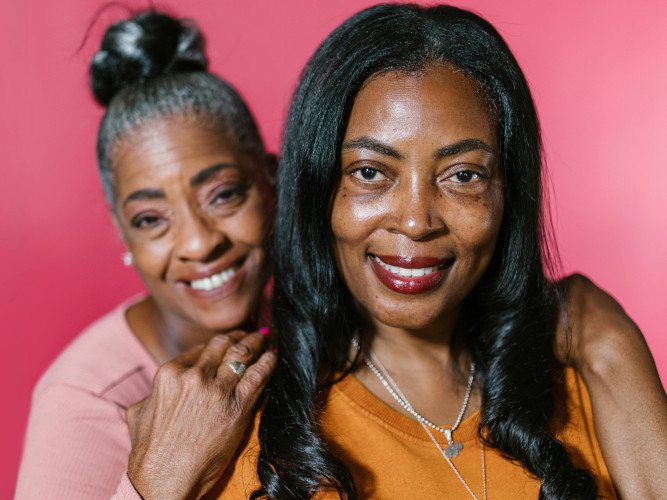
(275, 350)
(264, 330)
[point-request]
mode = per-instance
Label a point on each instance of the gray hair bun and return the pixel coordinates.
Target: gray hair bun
(143, 47)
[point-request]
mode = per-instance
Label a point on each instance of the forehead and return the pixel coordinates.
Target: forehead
(437, 98)
(170, 138)
(166, 148)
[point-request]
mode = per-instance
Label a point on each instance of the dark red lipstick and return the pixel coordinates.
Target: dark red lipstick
(410, 284)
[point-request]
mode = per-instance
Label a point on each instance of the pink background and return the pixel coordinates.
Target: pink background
(597, 70)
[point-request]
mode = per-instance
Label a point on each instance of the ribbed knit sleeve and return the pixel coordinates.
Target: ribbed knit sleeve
(76, 448)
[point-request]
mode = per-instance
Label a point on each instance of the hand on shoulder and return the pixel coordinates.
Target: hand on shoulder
(185, 433)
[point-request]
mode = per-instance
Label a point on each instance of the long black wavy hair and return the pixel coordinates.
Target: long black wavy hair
(510, 334)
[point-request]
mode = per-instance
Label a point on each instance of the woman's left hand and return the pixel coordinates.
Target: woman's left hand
(629, 402)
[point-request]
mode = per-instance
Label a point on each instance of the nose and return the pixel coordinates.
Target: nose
(415, 210)
(198, 238)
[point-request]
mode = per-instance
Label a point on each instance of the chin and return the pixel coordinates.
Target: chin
(414, 314)
(407, 319)
(222, 325)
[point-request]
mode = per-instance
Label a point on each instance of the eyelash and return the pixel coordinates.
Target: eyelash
(226, 195)
(359, 171)
(466, 172)
(142, 221)
(359, 174)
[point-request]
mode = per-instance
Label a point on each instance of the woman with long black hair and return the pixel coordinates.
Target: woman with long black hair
(416, 322)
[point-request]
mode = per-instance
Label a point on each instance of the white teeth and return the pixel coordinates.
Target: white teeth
(206, 283)
(405, 272)
(213, 281)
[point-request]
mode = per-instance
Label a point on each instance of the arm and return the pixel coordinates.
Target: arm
(76, 448)
(628, 400)
(185, 433)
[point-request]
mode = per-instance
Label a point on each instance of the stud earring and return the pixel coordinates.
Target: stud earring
(128, 259)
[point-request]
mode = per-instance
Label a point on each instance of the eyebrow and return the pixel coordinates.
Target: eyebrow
(145, 194)
(196, 180)
(372, 145)
(465, 146)
(202, 176)
(459, 147)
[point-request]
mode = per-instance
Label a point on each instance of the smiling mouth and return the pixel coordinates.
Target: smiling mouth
(407, 272)
(420, 274)
(215, 280)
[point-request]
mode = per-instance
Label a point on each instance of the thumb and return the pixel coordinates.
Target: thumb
(132, 417)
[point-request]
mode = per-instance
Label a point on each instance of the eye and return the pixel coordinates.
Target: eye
(368, 174)
(465, 176)
(228, 195)
(146, 221)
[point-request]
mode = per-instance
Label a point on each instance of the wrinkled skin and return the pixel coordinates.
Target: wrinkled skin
(184, 434)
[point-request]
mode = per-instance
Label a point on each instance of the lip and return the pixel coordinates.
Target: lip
(216, 293)
(189, 278)
(410, 284)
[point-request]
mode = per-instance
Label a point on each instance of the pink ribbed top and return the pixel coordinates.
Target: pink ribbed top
(77, 443)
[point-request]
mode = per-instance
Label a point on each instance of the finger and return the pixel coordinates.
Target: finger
(211, 357)
(255, 379)
(188, 358)
(245, 351)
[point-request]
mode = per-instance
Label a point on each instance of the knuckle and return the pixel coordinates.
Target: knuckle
(165, 372)
(192, 378)
(258, 375)
(241, 350)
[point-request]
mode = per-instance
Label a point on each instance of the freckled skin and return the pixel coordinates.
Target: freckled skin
(190, 229)
(419, 204)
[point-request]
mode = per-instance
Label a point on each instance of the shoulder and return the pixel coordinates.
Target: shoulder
(105, 361)
(77, 441)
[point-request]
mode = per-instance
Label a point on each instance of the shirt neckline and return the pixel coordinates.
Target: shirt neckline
(358, 395)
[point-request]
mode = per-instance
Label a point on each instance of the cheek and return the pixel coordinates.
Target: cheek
(476, 222)
(150, 256)
(151, 259)
(250, 225)
(353, 218)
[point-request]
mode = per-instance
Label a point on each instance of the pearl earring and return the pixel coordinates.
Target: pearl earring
(128, 259)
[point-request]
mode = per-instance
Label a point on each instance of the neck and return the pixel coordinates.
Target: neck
(424, 349)
(421, 363)
(164, 334)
